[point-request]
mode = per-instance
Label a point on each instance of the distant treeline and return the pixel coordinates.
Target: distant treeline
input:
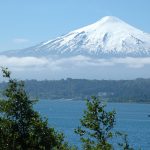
(137, 90)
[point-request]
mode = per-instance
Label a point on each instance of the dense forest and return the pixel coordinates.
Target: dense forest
(137, 90)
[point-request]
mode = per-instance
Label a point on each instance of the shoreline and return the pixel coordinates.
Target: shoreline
(74, 99)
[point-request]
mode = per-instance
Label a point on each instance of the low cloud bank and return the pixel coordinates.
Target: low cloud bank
(68, 67)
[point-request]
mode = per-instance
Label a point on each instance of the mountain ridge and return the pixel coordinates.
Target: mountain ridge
(108, 37)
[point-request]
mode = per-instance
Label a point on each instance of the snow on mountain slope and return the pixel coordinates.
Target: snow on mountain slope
(108, 37)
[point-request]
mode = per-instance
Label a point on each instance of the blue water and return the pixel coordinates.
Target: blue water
(133, 119)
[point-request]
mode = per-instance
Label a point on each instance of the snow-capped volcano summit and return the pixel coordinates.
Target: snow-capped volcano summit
(108, 37)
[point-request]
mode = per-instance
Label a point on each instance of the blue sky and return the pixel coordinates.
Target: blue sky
(25, 23)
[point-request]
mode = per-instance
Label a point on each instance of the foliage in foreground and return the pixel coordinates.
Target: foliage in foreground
(96, 130)
(21, 127)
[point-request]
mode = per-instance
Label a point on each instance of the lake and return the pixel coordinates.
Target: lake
(131, 118)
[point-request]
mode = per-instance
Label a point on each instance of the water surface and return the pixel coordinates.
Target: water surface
(131, 118)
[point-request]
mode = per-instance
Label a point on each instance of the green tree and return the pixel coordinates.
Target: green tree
(96, 126)
(124, 144)
(96, 130)
(21, 127)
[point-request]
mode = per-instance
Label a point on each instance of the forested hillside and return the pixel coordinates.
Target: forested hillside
(112, 90)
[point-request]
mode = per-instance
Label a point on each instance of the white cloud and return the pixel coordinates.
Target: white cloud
(76, 67)
(133, 62)
(23, 62)
(20, 40)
